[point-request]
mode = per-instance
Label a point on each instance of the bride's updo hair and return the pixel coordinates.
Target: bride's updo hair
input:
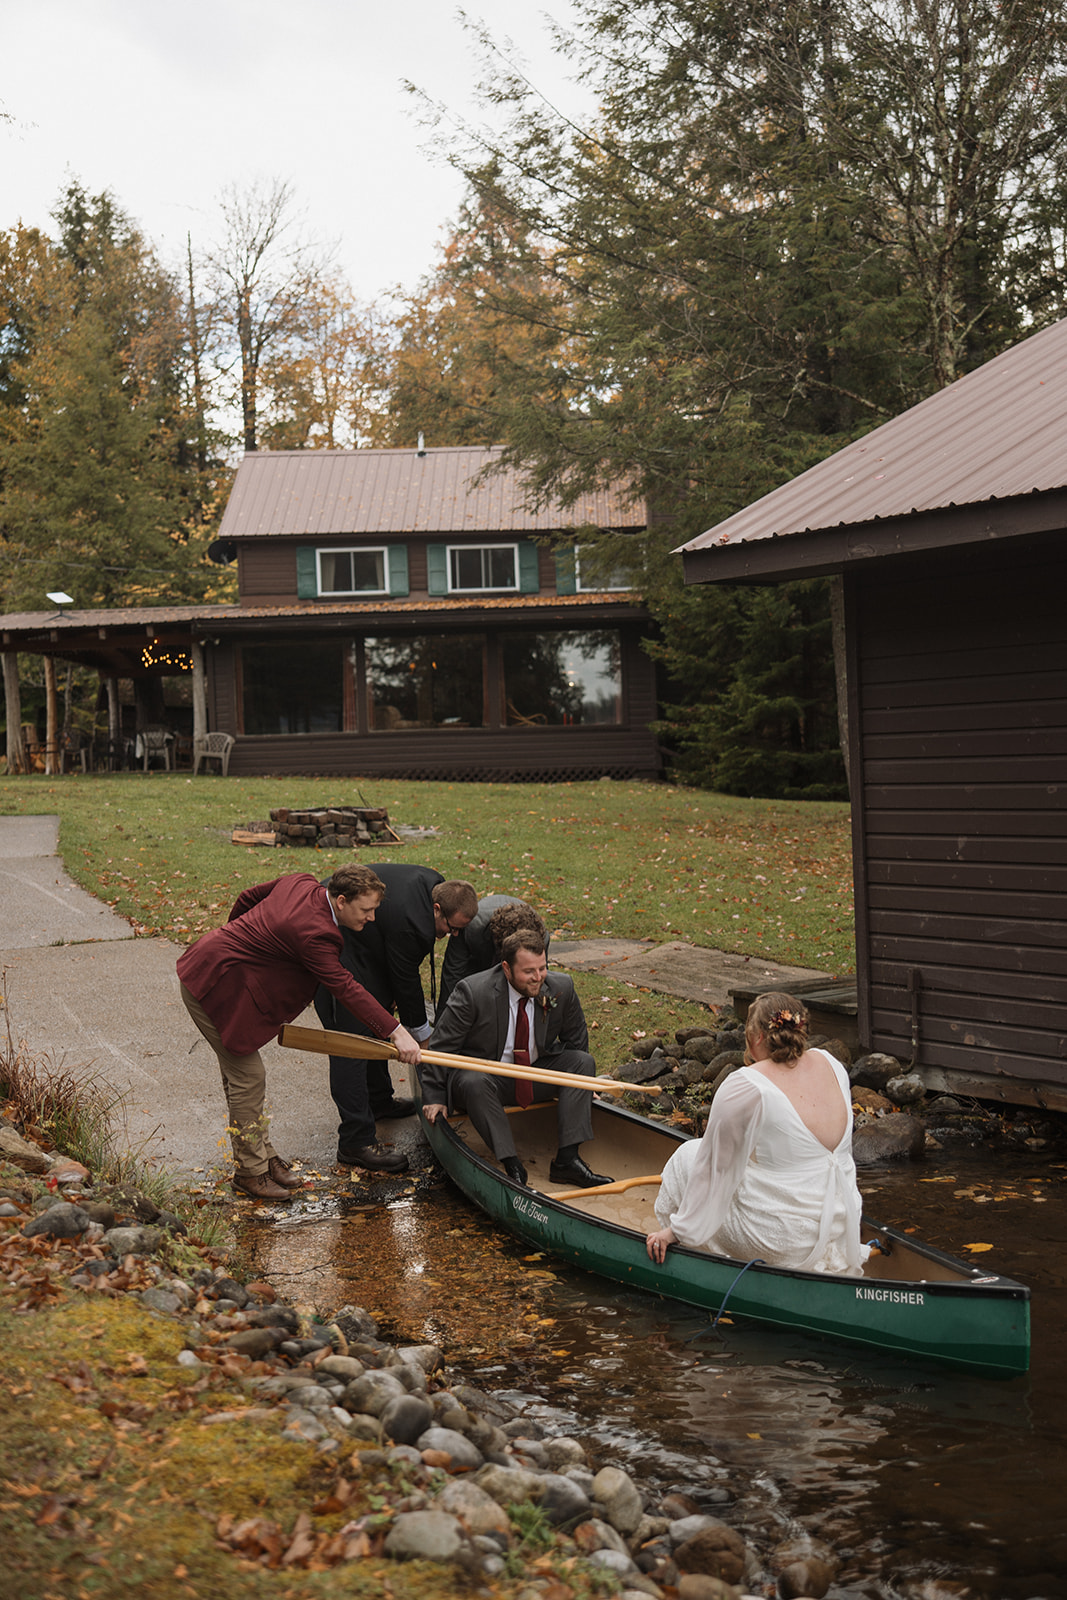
(782, 1019)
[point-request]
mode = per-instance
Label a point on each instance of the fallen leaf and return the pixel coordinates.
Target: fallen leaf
(978, 1247)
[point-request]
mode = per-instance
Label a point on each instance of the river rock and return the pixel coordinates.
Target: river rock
(61, 1221)
(275, 1317)
(564, 1452)
(161, 1300)
(20, 1152)
(426, 1357)
(372, 1393)
(310, 1397)
(132, 1241)
(869, 1099)
(477, 1510)
(805, 1580)
(685, 1035)
(643, 1071)
(345, 1367)
(356, 1324)
(533, 1450)
(896, 1137)
(562, 1499)
(717, 1552)
(642, 1049)
(509, 1485)
(706, 1047)
(405, 1417)
(486, 1405)
(229, 1289)
(616, 1495)
(594, 1534)
(255, 1342)
(446, 1441)
(305, 1427)
(907, 1090)
(675, 1505)
(875, 1070)
(620, 1561)
(698, 1586)
(424, 1536)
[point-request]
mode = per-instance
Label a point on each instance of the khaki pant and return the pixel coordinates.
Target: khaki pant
(244, 1081)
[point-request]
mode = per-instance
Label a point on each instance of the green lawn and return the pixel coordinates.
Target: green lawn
(631, 860)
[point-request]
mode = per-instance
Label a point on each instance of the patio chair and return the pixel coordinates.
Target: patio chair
(154, 742)
(213, 747)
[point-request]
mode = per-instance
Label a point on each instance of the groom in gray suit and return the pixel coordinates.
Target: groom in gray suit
(516, 1012)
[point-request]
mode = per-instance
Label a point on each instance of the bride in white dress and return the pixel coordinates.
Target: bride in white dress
(773, 1178)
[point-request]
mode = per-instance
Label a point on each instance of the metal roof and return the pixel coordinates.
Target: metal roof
(316, 493)
(995, 434)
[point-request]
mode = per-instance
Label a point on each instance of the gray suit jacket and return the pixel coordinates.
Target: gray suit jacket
(475, 1023)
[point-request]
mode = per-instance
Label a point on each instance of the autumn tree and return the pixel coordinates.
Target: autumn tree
(261, 278)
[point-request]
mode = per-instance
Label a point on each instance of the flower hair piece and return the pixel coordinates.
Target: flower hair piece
(782, 1017)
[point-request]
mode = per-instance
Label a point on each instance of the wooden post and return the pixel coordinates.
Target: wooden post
(16, 754)
(196, 653)
(114, 725)
(51, 736)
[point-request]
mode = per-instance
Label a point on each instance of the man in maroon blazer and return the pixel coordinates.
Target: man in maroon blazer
(240, 982)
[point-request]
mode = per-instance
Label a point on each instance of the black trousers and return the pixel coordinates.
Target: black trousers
(360, 1089)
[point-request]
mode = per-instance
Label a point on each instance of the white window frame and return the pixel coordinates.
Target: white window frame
(469, 549)
(352, 550)
(596, 586)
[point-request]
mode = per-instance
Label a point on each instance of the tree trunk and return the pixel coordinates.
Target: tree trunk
(114, 726)
(16, 755)
(51, 705)
(196, 651)
(837, 627)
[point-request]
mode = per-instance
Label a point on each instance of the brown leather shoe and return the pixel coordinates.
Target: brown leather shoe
(261, 1186)
(282, 1172)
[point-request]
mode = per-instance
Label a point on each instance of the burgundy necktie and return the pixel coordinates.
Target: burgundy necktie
(524, 1088)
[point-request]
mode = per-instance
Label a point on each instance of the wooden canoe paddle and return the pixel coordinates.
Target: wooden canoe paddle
(330, 1042)
(606, 1188)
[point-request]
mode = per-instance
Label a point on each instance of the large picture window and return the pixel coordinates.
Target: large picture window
(352, 572)
(562, 678)
(436, 680)
(292, 688)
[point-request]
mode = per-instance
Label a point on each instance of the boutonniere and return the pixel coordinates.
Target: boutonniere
(547, 1000)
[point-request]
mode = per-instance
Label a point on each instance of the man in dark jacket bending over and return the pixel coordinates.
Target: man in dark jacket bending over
(418, 908)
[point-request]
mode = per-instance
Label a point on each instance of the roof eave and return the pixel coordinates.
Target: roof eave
(822, 552)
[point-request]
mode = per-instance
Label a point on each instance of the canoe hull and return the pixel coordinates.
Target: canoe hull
(957, 1316)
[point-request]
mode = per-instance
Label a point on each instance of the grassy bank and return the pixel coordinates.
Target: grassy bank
(631, 860)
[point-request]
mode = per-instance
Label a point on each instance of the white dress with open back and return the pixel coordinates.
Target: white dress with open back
(760, 1185)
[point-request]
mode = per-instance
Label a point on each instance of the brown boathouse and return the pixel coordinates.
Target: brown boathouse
(948, 528)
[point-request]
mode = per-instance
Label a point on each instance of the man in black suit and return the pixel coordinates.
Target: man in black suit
(418, 908)
(477, 948)
(517, 1012)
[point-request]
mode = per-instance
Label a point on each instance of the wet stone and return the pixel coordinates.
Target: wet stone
(564, 1452)
(510, 1485)
(808, 1579)
(698, 1586)
(372, 1392)
(272, 1317)
(718, 1552)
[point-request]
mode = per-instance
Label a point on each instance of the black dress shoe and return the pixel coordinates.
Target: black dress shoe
(575, 1174)
(515, 1170)
(394, 1108)
(374, 1158)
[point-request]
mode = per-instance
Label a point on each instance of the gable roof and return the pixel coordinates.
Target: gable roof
(995, 435)
(383, 493)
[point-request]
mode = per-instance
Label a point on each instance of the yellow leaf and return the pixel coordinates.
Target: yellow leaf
(753, 1436)
(978, 1247)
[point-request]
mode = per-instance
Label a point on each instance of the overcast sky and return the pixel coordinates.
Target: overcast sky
(166, 104)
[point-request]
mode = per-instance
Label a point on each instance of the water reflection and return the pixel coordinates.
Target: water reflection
(923, 1480)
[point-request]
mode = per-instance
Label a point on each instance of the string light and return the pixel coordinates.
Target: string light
(154, 655)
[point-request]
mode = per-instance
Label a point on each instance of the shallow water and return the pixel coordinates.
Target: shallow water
(927, 1483)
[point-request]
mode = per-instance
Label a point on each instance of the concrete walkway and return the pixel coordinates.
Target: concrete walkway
(87, 995)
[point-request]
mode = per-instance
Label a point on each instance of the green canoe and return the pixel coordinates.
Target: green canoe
(912, 1300)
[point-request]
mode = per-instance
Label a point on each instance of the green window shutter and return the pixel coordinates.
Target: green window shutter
(566, 569)
(529, 581)
(307, 573)
(397, 583)
(437, 569)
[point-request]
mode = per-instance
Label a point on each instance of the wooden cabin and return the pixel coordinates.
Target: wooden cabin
(948, 529)
(403, 613)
